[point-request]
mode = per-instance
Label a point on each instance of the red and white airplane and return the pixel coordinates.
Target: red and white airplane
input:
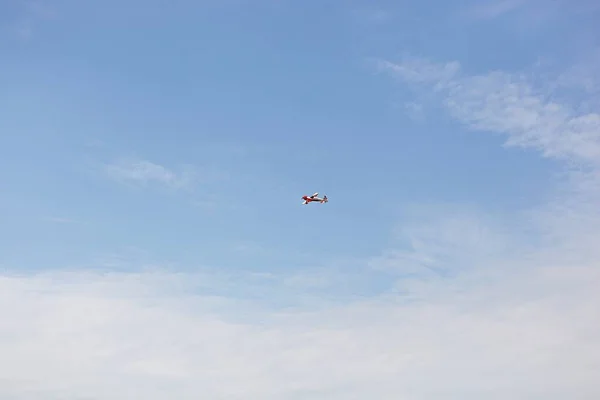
(309, 199)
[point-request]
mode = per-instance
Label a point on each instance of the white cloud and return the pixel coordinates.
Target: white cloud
(414, 110)
(145, 172)
(421, 71)
(372, 15)
(60, 220)
(581, 80)
(526, 334)
(526, 15)
(31, 14)
(436, 240)
(506, 103)
(495, 8)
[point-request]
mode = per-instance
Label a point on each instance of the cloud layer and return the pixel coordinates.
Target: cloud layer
(521, 332)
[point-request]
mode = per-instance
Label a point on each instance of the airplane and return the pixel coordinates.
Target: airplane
(309, 199)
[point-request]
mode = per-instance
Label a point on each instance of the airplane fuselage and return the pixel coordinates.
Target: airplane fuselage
(309, 199)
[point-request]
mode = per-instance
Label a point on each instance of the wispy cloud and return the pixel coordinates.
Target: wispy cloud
(506, 103)
(437, 240)
(145, 172)
(60, 220)
(583, 76)
(31, 14)
(495, 8)
(372, 15)
(510, 105)
(414, 110)
(525, 13)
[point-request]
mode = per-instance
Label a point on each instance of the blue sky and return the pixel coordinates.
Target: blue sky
(153, 159)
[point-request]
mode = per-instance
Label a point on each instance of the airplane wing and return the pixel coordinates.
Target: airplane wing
(315, 195)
